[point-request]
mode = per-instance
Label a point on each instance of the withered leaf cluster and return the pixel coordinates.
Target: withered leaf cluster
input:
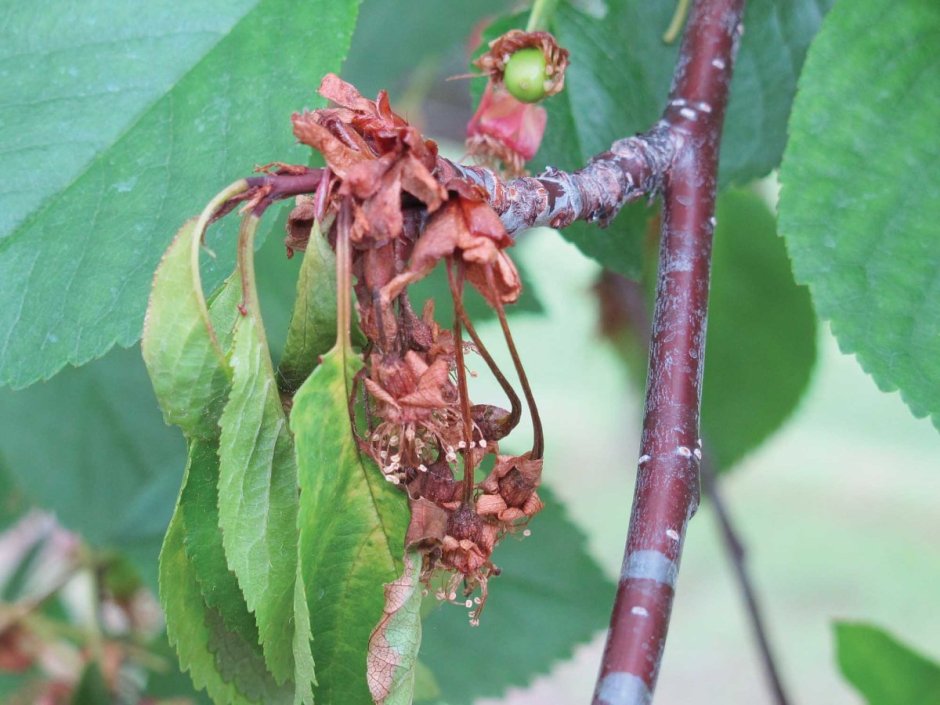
(410, 408)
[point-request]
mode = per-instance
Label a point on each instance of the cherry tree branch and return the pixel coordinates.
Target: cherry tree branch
(623, 311)
(667, 486)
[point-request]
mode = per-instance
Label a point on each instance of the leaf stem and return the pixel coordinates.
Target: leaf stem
(734, 548)
(678, 19)
(540, 15)
(199, 232)
(538, 439)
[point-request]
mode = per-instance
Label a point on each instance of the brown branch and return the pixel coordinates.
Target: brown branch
(623, 312)
(667, 486)
(631, 169)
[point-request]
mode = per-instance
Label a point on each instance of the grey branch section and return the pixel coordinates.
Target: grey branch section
(631, 169)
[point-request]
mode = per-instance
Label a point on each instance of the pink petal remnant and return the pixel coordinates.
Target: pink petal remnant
(504, 131)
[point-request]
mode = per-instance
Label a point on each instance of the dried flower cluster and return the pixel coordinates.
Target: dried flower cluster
(411, 408)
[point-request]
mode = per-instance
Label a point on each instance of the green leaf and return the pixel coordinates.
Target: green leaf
(777, 34)
(885, 671)
(13, 502)
(91, 688)
(312, 330)
(551, 595)
(119, 115)
(395, 37)
(231, 669)
(258, 489)
(761, 343)
(183, 348)
(114, 468)
(170, 682)
(352, 525)
(199, 505)
(861, 193)
(392, 659)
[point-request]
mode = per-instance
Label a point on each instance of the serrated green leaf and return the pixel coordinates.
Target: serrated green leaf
(258, 489)
(199, 505)
(392, 659)
(861, 192)
(312, 330)
(352, 525)
(170, 682)
(119, 115)
(182, 346)
(761, 343)
(220, 661)
(885, 671)
(551, 594)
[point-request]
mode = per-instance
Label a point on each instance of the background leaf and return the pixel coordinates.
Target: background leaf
(352, 526)
(885, 671)
(550, 596)
(861, 192)
(114, 468)
(91, 688)
(600, 105)
(193, 92)
(761, 343)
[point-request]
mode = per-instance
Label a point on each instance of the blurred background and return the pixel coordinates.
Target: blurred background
(837, 510)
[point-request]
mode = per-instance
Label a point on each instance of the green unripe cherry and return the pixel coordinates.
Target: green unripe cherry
(525, 75)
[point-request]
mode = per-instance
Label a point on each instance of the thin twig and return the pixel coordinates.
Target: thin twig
(738, 557)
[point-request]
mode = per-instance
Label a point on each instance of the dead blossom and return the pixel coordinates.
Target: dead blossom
(410, 407)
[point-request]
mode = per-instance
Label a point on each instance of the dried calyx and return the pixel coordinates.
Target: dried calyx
(411, 408)
(522, 68)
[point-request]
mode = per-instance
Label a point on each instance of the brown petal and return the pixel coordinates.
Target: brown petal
(332, 87)
(338, 156)
(490, 504)
(428, 524)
